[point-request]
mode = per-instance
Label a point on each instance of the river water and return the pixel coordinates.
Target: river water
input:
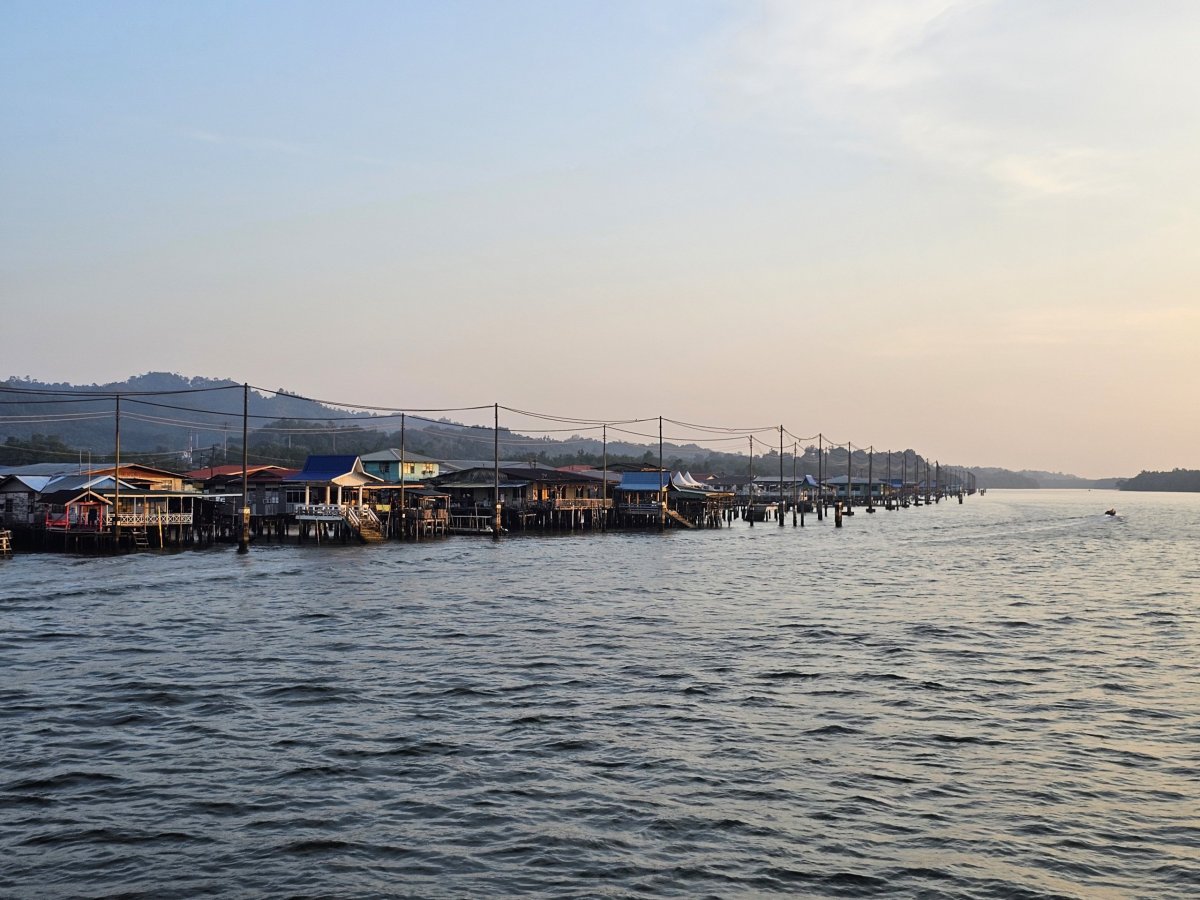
(999, 698)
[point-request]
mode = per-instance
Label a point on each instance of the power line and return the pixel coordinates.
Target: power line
(375, 422)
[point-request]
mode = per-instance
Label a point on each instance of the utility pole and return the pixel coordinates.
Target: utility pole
(403, 507)
(870, 479)
(496, 486)
(779, 509)
(662, 490)
(849, 458)
(244, 539)
(820, 477)
(116, 528)
(889, 481)
(750, 487)
(604, 483)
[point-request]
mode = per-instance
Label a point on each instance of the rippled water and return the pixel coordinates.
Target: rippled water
(993, 699)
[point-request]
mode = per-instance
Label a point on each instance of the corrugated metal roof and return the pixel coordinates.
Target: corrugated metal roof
(52, 468)
(33, 483)
(644, 481)
(598, 474)
(460, 465)
(476, 485)
(232, 469)
(320, 468)
(82, 482)
(393, 454)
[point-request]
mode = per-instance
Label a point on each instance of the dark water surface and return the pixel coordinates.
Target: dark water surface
(994, 699)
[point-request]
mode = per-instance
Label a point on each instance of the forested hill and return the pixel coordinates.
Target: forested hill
(200, 423)
(148, 423)
(1175, 480)
(987, 477)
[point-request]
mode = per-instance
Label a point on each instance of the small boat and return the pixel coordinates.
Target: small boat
(1110, 512)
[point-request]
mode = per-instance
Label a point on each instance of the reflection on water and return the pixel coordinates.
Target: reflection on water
(996, 698)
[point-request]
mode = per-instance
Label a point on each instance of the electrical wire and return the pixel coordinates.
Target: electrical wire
(378, 417)
(108, 395)
(390, 409)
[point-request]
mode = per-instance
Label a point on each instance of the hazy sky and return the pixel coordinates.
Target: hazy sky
(972, 228)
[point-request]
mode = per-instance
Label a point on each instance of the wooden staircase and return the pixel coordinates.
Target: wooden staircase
(365, 524)
(5, 542)
(140, 540)
(680, 519)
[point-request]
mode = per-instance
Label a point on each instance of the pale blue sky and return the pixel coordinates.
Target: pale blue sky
(968, 227)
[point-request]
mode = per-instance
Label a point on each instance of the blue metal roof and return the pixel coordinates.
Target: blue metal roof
(644, 481)
(325, 468)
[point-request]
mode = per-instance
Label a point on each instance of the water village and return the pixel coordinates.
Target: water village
(90, 506)
(394, 495)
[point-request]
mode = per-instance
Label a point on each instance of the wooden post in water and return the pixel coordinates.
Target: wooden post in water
(244, 531)
(496, 472)
(837, 515)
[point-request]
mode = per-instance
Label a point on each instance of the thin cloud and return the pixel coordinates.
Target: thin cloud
(966, 84)
(256, 144)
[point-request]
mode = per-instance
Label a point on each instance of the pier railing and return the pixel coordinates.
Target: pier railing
(319, 511)
(579, 503)
(151, 518)
(640, 508)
